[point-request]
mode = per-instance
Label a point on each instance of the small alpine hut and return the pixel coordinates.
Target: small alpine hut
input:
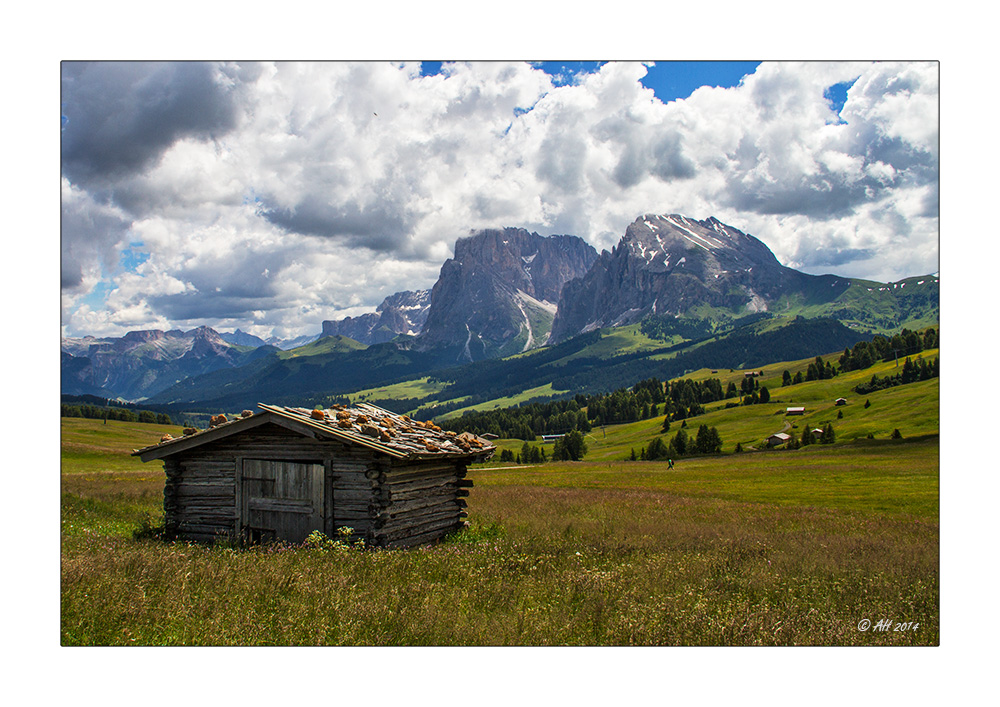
(284, 472)
(777, 439)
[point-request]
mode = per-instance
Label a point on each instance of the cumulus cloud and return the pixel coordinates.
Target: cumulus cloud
(272, 196)
(120, 116)
(91, 235)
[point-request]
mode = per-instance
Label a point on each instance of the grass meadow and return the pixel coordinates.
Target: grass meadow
(777, 548)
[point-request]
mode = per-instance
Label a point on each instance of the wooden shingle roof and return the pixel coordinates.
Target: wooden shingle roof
(366, 425)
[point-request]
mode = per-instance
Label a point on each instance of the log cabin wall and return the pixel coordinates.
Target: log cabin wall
(201, 494)
(388, 503)
(419, 502)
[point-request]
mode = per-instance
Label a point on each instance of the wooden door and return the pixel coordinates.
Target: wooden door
(281, 500)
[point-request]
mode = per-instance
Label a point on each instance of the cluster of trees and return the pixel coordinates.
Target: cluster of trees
(529, 454)
(750, 390)
(912, 371)
(677, 400)
(665, 327)
(827, 437)
(570, 447)
(706, 441)
(820, 371)
(681, 399)
(817, 370)
(525, 422)
(640, 402)
(905, 343)
(96, 412)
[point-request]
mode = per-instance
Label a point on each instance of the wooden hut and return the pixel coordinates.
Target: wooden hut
(284, 472)
(777, 439)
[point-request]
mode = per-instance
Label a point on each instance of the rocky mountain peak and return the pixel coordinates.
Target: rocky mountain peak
(498, 294)
(400, 313)
(667, 264)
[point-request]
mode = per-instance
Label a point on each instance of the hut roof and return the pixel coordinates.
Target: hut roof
(366, 425)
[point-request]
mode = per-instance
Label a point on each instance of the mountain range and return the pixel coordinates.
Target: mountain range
(506, 291)
(143, 363)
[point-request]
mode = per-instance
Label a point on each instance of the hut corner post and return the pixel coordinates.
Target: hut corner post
(419, 502)
(172, 468)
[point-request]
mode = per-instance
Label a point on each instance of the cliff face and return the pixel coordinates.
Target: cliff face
(401, 313)
(668, 265)
(498, 295)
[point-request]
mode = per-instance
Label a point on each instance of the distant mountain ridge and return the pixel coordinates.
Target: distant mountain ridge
(142, 363)
(241, 338)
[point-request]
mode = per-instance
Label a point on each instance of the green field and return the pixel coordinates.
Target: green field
(542, 391)
(776, 548)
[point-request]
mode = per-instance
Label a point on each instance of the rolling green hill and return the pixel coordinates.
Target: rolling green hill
(913, 409)
(334, 363)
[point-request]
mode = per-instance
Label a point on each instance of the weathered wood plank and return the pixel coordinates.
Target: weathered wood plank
(405, 524)
(432, 492)
(409, 507)
(430, 527)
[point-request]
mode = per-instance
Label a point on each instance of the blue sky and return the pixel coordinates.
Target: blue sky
(669, 80)
(272, 196)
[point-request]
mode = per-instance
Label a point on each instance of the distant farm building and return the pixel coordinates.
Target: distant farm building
(777, 439)
(551, 438)
(285, 472)
(795, 411)
(816, 432)
(840, 401)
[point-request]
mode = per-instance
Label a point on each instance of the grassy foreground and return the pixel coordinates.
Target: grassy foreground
(796, 548)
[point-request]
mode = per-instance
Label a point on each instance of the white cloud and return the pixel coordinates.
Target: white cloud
(321, 188)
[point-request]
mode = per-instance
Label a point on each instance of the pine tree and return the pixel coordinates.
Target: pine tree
(679, 443)
(657, 449)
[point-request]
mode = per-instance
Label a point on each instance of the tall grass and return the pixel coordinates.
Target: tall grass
(564, 556)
